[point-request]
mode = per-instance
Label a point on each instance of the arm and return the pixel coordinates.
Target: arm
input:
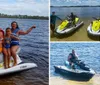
(69, 57)
(3, 41)
(15, 37)
(27, 31)
(76, 56)
(59, 18)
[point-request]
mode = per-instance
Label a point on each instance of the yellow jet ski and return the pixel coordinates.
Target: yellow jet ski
(66, 26)
(94, 28)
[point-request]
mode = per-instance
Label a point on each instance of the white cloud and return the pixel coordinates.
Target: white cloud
(29, 7)
(75, 2)
(91, 2)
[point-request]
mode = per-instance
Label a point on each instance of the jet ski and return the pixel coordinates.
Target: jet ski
(67, 27)
(19, 67)
(94, 28)
(81, 71)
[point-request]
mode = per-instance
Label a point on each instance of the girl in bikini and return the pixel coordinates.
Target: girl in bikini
(6, 47)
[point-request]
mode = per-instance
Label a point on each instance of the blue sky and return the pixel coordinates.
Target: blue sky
(74, 2)
(25, 7)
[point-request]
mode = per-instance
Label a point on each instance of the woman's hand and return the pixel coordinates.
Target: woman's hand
(27, 31)
(33, 26)
(15, 37)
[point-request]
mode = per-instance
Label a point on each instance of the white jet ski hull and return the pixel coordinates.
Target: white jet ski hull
(19, 67)
(70, 29)
(89, 30)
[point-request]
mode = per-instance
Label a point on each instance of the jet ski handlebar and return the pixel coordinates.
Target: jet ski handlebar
(96, 18)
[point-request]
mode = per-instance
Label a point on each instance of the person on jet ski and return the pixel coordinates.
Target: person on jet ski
(72, 17)
(72, 58)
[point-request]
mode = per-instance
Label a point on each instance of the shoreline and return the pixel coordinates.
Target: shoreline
(61, 81)
(21, 18)
(78, 35)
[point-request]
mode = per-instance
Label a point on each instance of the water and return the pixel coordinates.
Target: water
(83, 12)
(87, 52)
(34, 48)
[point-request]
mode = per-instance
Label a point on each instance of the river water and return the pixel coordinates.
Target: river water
(83, 12)
(34, 48)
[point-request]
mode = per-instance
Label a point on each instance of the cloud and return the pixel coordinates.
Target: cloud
(29, 7)
(75, 2)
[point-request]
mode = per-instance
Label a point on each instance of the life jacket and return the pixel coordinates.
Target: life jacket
(72, 56)
(72, 17)
(14, 41)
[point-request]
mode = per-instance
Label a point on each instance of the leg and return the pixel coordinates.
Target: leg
(5, 54)
(9, 55)
(73, 67)
(13, 53)
(52, 26)
(70, 63)
(74, 22)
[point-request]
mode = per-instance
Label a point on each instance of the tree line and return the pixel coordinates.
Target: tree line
(22, 16)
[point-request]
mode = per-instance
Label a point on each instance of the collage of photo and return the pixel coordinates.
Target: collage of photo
(49, 42)
(74, 42)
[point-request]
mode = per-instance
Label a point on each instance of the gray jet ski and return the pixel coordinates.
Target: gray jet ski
(79, 71)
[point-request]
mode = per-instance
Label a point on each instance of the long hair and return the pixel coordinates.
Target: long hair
(2, 32)
(16, 24)
(8, 28)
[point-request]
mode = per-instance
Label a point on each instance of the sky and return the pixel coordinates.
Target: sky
(25, 7)
(74, 2)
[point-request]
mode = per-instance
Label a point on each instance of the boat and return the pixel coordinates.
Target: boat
(19, 67)
(81, 72)
(94, 28)
(66, 26)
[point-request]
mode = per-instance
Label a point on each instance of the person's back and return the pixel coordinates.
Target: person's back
(72, 16)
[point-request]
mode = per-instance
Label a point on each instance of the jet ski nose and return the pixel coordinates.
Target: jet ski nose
(33, 65)
(92, 71)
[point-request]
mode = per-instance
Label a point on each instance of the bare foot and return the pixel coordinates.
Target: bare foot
(14, 64)
(8, 66)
